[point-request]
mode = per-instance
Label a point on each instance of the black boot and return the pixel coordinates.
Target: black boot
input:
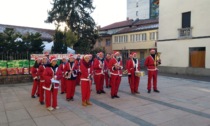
(148, 91)
(156, 91)
(33, 96)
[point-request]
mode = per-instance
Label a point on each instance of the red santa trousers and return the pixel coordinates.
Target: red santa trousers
(78, 78)
(115, 83)
(152, 75)
(85, 90)
(51, 98)
(41, 93)
(70, 88)
(134, 83)
(35, 88)
(63, 84)
(107, 79)
(99, 81)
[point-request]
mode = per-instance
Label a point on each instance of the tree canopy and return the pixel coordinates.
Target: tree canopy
(76, 15)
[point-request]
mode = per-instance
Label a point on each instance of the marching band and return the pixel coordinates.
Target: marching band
(83, 70)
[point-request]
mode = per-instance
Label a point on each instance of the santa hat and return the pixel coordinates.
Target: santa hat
(116, 52)
(53, 58)
(133, 53)
(152, 51)
(71, 56)
(86, 55)
(90, 55)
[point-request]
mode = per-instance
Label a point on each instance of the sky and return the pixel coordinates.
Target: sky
(33, 13)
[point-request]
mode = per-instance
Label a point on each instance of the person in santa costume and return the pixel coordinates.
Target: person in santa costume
(63, 83)
(151, 63)
(98, 67)
(106, 70)
(134, 66)
(42, 67)
(71, 69)
(78, 60)
(51, 75)
(127, 64)
(36, 78)
(85, 80)
(115, 66)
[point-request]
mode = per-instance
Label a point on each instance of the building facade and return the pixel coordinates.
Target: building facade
(105, 33)
(140, 38)
(142, 9)
(184, 36)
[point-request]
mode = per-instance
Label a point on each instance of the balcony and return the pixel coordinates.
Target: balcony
(185, 33)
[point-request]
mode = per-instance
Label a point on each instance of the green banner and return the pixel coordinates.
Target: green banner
(32, 62)
(3, 64)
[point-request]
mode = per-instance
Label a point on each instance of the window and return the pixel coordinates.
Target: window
(136, 13)
(144, 37)
(186, 20)
(116, 39)
(137, 4)
(152, 35)
(108, 42)
(126, 38)
(140, 37)
(197, 57)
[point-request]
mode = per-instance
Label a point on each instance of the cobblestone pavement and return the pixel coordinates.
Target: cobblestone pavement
(181, 102)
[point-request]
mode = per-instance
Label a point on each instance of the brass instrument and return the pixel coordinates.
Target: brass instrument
(125, 72)
(157, 59)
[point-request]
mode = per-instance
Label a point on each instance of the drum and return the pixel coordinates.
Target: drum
(139, 73)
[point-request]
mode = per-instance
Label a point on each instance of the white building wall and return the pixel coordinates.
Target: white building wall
(175, 52)
(143, 9)
(170, 17)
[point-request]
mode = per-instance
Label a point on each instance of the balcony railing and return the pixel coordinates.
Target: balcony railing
(185, 33)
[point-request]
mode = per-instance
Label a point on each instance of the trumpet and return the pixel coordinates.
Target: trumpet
(125, 72)
(157, 59)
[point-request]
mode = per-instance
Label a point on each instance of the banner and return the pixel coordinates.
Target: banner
(59, 56)
(3, 68)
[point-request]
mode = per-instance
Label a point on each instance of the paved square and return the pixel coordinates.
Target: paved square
(181, 102)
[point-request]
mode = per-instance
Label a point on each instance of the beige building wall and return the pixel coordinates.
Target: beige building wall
(170, 18)
(140, 46)
(175, 51)
(101, 43)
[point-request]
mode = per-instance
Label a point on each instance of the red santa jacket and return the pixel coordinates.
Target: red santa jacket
(133, 66)
(78, 64)
(98, 67)
(86, 71)
(49, 74)
(150, 63)
(115, 71)
(74, 68)
(41, 71)
(35, 73)
(106, 65)
(61, 67)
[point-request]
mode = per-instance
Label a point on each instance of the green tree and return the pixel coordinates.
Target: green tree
(33, 43)
(71, 38)
(59, 43)
(76, 15)
(7, 40)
